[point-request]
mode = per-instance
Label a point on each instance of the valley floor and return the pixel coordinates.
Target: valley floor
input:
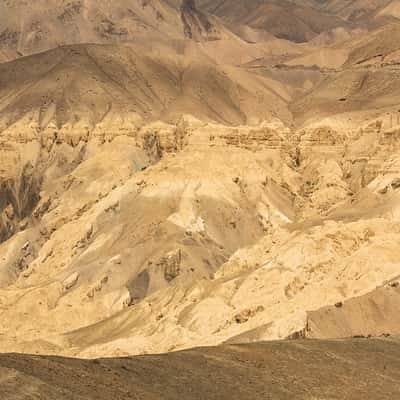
(307, 369)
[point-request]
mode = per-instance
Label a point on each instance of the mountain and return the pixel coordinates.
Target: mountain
(180, 174)
(304, 20)
(367, 82)
(87, 84)
(48, 24)
(359, 10)
(26, 30)
(284, 19)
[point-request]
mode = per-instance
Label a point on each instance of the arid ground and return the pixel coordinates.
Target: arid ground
(349, 369)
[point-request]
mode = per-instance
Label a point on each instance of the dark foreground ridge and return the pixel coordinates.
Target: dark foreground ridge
(308, 369)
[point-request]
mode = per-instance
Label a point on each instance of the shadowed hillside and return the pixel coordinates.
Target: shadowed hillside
(358, 369)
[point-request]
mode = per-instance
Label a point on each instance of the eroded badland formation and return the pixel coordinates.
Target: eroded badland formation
(178, 174)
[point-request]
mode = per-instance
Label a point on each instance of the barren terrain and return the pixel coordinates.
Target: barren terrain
(357, 369)
(182, 174)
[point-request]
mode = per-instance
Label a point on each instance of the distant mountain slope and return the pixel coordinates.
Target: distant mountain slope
(284, 19)
(88, 83)
(367, 81)
(47, 24)
(303, 20)
(381, 46)
(353, 10)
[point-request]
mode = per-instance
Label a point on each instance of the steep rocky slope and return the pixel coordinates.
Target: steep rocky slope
(174, 236)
